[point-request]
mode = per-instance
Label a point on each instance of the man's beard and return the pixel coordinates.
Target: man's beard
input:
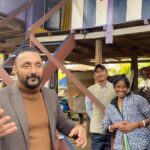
(36, 80)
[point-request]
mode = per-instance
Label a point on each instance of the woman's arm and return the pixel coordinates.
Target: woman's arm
(106, 121)
(108, 125)
(144, 107)
(129, 126)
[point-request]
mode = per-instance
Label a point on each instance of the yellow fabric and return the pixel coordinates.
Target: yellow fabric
(41, 30)
(66, 16)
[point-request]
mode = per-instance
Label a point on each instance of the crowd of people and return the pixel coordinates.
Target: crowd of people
(30, 113)
(127, 116)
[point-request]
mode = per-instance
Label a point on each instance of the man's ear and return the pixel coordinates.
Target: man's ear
(14, 70)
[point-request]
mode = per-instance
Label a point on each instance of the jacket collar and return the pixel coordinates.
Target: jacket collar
(19, 108)
(18, 105)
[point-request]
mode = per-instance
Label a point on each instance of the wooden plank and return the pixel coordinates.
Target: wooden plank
(134, 9)
(10, 33)
(5, 76)
(120, 7)
(89, 13)
(134, 67)
(125, 62)
(98, 51)
(6, 46)
(15, 23)
(101, 12)
(15, 41)
(77, 14)
(100, 34)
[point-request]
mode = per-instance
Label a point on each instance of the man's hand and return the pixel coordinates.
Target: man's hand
(6, 126)
(80, 132)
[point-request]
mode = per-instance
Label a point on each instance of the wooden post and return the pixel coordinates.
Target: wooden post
(98, 60)
(98, 51)
(134, 67)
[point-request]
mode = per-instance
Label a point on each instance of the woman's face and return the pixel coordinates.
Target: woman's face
(121, 89)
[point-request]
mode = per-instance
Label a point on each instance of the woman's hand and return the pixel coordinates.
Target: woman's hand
(118, 125)
(131, 126)
(125, 126)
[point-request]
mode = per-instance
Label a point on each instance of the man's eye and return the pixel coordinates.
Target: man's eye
(25, 66)
(39, 65)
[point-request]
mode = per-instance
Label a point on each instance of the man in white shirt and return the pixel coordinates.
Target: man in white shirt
(104, 92)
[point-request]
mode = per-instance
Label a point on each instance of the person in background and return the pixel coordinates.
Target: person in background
(144, 86)
(128, 116)
(30, 113)
(104, 92)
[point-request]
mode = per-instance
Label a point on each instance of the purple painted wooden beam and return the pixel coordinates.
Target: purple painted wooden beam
(109, 26)
(146, 22)
(29, 17)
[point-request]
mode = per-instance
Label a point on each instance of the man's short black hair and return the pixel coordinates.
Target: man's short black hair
(100, 66)
(26, 49)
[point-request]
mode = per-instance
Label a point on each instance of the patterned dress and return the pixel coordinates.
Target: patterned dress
(135, 108)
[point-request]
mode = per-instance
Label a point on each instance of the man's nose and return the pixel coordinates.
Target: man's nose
(33, 69)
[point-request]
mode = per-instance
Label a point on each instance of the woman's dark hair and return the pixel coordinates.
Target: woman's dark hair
(116, 79)
(121, 78)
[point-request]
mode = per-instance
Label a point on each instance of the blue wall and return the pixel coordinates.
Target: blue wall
(89, 13)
